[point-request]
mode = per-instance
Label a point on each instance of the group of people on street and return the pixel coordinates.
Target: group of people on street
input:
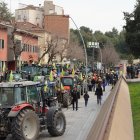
(132, 71)
(97, 85)
(98, 93)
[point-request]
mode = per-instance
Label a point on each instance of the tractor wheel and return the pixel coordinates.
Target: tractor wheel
(26, 125)
(66, 99)
(56, 122)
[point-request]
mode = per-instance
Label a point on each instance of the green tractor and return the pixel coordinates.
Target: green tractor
(29, 71)
(24, 112)
(66, 84)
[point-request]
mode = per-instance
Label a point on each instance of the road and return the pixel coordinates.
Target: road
(79, 122)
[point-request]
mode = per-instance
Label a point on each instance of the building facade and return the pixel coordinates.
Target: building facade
(43, 38)
(3, 46)
(26, 42)
(32, 14)
(57, 25)
(51, 9)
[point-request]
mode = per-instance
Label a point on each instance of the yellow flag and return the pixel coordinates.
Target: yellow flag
(45, 88)
(54, 66)
(51, 76)
(4, 67)
(73, 72)
(62, 87)
(35, 78)
(81, 76)
(11, 76)
(62, 73)
(39, 63)
(67, 66)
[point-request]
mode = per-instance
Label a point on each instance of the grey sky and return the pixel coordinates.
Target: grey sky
(100, 15)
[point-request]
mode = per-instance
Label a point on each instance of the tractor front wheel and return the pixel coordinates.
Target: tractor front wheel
(56, 122)
(26, 125)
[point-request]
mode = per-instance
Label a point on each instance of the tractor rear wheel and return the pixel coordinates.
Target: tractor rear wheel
(26, 125)
(66, 99)
(56, 122)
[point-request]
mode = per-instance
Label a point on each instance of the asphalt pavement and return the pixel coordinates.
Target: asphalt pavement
(79, 122)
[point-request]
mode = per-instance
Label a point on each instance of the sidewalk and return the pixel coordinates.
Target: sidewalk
(79, 122)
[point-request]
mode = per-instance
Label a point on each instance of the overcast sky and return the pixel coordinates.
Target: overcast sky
(100, 15)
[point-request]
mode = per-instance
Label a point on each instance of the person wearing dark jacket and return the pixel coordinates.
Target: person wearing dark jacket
(86, 96)
(99, 93)
(74, 95)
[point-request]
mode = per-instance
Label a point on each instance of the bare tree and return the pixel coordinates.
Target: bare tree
(16, 44)
(109, 55)
(55, 46)
(63, 49)
(74, 51)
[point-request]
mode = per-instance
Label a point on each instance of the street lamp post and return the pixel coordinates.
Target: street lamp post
(83, 45)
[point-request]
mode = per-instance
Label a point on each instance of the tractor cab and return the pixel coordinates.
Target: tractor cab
(17, 93)
(68, 82)
(30, 71)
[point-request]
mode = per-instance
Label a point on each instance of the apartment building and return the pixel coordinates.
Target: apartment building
(58, 25)
(35, 14)
(3, 46)
(43, 37)
(27, 42)
(49, 16)
(30, 13)
(51, 9)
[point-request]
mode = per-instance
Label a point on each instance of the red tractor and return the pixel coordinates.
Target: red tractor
(24, 112)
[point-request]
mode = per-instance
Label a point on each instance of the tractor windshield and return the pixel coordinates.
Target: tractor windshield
(67, 81)
(30, 69)
(11, 96)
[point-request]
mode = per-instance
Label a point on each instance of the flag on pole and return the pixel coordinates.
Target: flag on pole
(39, 63)
(11, 76)
(45, 88)
(73, 72)
(63, 72)
(51, 76)
(35, 78)
(62, 87)
(81, 76)
(54, 66)
(67, 66)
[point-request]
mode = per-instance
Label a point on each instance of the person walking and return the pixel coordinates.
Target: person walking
(93, 82)
(86, 96)
(74, 95)
(99, 93)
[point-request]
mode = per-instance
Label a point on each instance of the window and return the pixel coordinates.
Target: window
(24, 48)
(33, 48)
(67, 81)
(32, 94)
(28, 48)
(1, 44)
